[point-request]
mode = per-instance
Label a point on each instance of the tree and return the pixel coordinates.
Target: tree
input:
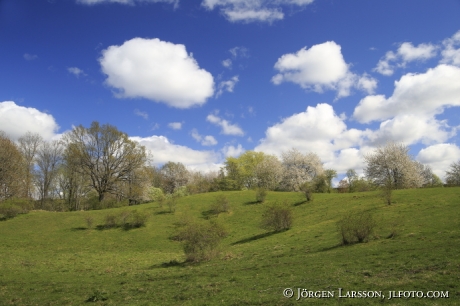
(268, 172)
(49, 157)
(28, 145)
(453, 175)
(105, 155)
(11, 168)
(329, 175)
(391, 167)
(352, 177)
(175, 175)
(299, 168)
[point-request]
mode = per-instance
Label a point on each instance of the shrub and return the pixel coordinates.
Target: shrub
(356, 227)
(89, 221)
(220, 204)
(171, 202)
(261, 194)
(9, 210)
(200, 240)
(136, 220)
(277, 218)
(110, 221)
(307, 190)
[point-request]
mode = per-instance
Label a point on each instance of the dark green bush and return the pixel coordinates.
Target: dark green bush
(200, 240)
(356, 227)
(277, 218)
(220, 204)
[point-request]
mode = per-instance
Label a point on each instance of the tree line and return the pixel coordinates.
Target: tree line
(99, 167)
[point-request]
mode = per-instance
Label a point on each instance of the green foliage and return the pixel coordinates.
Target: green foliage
(356, 227)
(89, 221)
(261, 194)
(221, 204)
(13, 207)
(277, 217)
(111, 221)
(126, 220)
(156, 194)
(200, 240)
(307, 189)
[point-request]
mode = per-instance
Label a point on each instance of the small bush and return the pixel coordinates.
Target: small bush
(356, 227)
(89, 221)
(9, 210)
(307, 190)
(261, 194)
(110, 221)
(220, 204)
(200, 240)
(172, 202)
(277, 218)
(136, 220)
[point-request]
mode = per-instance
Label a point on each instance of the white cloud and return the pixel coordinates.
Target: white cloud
(175, 125)
(451, 52)
(76, 71)
(17, 120)
(239, 52)
(406, 53)
(30, 57)
(141, 114)
(439, 157)
(425, 94)
(228, 85)
(232, 151)
(163, 151)
(227, 127)
(207, 140)
(130, 2)
(253, 10)
(321, 68)
(227, 63)
(156, 70)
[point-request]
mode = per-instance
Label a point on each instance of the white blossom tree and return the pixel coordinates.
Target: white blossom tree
(299, 168)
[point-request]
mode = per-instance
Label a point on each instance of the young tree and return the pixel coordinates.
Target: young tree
(11, 168)
(28, 145)
(391, 167)
(453, 175)
(105, 155)
(299, 168)
(329, 175)
(352, 177)
(49, 157)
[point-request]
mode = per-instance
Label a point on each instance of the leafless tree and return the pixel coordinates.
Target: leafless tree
(28, 145)
(453, 175)
(49, 158)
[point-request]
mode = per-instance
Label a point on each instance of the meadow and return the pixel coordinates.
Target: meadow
(52, 258)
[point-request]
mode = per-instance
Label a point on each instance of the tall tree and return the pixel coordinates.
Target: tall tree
(11, 168)
(268, 172)
(49, 157)
(299, 168)
(175, 175)
(28, 145)
(105, 154)
(453, 174)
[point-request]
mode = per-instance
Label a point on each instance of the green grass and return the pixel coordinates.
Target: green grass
(49, 258)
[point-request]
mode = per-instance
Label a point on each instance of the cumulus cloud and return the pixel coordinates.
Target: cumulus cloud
(439, 157)
(227, 127)
(17, 120)
(30, 57)
(141, 114)
(156, 70)
(76, 71)
(228, 85)
(163, 151)
(232, 151)
(175, 125)
(425, 94)
(451, 52)
(321, 68)
(253, 10)
(130, 2)
(207, 140)
(406, 53)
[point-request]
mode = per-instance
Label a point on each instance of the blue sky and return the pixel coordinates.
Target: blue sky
(198, 80)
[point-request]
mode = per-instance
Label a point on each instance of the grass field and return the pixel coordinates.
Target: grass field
(49, 258)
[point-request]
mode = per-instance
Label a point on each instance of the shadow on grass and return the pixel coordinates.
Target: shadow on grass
(252, 203)
(339, 245)
(300, 203)
(81, 228)
(171, 263)
(256, 237)
(209, 213)
(125, 227)
(163, 212)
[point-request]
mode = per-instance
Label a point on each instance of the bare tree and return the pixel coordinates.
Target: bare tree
(28, 145)
(453, 175)
(49, 158)
(299, 168)
(105, 155)
(11, 168)
(391, 167)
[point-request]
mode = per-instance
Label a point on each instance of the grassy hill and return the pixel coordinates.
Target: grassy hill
(49, 258)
